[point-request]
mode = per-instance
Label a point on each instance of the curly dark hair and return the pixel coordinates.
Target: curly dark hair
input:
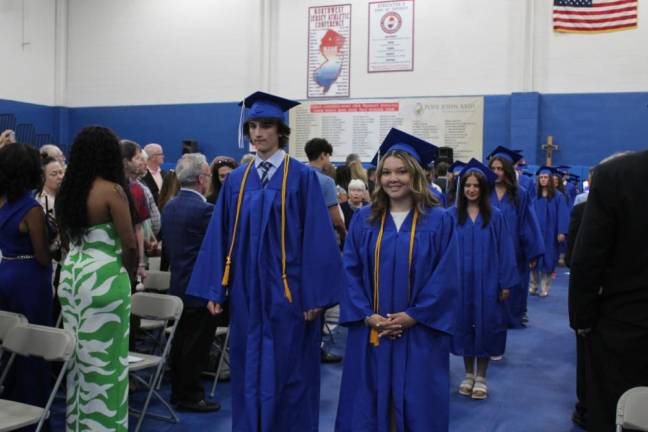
(20, 170)
(510, 179)
(282, 129)
(95, 153)
(215, 180)
(484, 199)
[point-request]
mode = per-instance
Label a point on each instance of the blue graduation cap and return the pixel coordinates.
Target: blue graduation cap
(506, 153)
(265, 105)
(574, 178)
(475, 166)
(456, 167)
(546, 170)
(422, 151)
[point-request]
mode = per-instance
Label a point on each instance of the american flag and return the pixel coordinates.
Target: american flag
(590, 16)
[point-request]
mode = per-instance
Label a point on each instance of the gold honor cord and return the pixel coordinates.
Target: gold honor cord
(228, 260)
(373, 334)
(284, 184)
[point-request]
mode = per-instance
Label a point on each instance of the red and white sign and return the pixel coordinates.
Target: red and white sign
(391, 36)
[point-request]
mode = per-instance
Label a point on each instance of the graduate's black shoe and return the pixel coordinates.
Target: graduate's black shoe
(525, 319)
(327, 357)
(200, 406)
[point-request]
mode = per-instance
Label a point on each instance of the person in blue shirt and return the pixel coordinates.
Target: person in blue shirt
(488, 271)
(401, 260)
(270, 248)
(319, 152)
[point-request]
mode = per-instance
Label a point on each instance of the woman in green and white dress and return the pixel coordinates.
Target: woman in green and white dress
(94, 216)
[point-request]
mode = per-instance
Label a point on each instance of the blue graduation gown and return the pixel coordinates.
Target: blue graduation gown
(488, 265)
(527, 243)
(553, 215)
(527, 183)
(409, 374)
(274, 353)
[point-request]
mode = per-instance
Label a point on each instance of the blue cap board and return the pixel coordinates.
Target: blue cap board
(422, 151)
(456, 167)
(506, 153)
(545, 170)
(475, 166)
(264, 105)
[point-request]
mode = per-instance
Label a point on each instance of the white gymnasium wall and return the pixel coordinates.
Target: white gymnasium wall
(136, 52)
(461, 47)
(27, 49)
(132, 52)
(576, 63)
(475, 47)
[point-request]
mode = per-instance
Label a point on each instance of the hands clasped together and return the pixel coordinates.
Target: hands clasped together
(391, 326)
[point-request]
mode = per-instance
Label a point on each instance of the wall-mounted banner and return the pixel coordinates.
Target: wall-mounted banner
(391, 36)
(329, 53)
(360, 125)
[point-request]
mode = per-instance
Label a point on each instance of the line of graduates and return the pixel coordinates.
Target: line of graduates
(416, 282)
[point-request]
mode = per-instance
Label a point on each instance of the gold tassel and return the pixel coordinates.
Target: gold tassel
(287, 292)
(373, 337)
(225, 281)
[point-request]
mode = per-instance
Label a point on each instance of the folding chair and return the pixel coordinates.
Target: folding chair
(159, 282)
(9, 320)
(165, 308)
(49, 343)
(223, 351)
(632, 410)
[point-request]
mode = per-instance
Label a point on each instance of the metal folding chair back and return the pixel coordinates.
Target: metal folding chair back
(155, 307)
(29, 340)
(9, 320)
(157, 280)
(632, 410)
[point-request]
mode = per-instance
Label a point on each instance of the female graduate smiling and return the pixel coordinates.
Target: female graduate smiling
(401, 260)
(488, 272)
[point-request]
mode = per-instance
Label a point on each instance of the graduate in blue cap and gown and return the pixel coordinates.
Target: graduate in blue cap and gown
(399, 305)
(453, 175)
(271, 251)
(514, 202)
(553, 215)
(488, 271)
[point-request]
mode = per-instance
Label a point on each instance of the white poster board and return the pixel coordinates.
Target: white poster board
(360, 125)
(329, 54)
(391, 36)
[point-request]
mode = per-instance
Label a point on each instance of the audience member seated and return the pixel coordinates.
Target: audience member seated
(184, 223)
(25, 265)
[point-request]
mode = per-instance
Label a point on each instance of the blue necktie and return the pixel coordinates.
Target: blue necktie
(265, 169)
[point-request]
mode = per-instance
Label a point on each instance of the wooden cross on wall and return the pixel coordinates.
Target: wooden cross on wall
(549, 147)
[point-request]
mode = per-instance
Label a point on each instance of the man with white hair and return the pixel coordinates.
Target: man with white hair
(184, 223)
(54, 152)
(154, 175)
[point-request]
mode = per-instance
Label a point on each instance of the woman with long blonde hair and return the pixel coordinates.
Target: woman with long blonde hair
(401, 260)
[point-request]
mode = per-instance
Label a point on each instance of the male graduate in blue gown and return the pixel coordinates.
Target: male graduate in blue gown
(271, 252)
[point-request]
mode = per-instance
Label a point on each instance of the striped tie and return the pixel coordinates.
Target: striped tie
(265, 169)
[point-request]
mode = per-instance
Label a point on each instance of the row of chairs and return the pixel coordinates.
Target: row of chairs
(18, 337)
(55, 344)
